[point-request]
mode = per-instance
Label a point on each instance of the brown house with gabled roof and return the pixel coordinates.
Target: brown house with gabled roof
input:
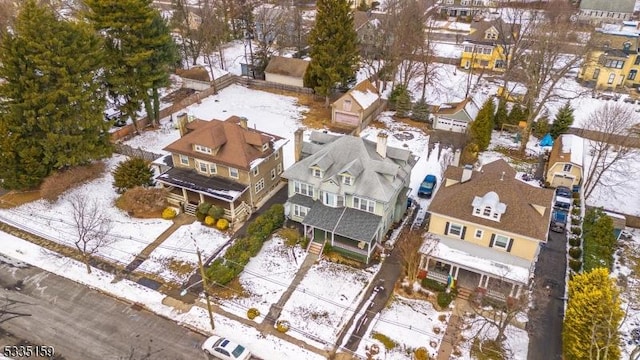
(357, 107)
(224, 163)
(286, 71)
(487, 227)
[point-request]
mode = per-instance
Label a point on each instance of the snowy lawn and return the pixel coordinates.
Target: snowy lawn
(266, 277)
(516, 345)
(276, 114)
(410, 324)
(269, 347)
(324, 301)
(176, 259)
(54, 221)
(626, 270)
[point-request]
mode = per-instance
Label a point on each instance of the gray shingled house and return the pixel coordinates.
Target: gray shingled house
(597, 11)
(347, 191)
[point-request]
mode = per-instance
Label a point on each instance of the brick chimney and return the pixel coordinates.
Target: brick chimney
(243, 122)
(297, 144)
(456, 158)
(381, 144)
(466, 173)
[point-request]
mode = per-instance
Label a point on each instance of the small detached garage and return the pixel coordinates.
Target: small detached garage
(357, 107)
(455, 117)
(566, 162)
(286, 71)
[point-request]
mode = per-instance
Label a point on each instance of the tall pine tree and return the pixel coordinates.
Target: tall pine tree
(563, 121)
(516, 115)
(52, 102)
(481, 127)
(138, 46)
(593, 316)
(334, 47)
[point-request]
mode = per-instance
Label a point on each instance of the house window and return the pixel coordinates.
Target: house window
(202, 149)
(626, 45)
(331, 199)
(302, 188)
(465, 2)
(486, 211)
(637, 62)
(499, 64)
(213, 169)
(612, 77)
(632, 74)
(279, 167)
(255, 171)
(495, 215)
(316, 173)
(346, 105)
(277, 155)
(491, 35)
(455, 229)
(233, 172)
(364, 204)
(501, 241)
(202, 167)
(260, 185)
(615, 64)
(265, 147)
(596, 73)
(300, 211)
(479, 234)
(476, 211)
(273, 174)
(468, 48)
(346, 179)
(566, 168)
(184, 160)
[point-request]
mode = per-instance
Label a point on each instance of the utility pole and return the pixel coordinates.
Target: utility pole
(205, 287)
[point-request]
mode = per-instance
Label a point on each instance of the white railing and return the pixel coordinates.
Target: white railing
(434, 275)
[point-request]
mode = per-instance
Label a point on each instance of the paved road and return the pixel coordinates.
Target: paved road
(545, 318)
(84, 324)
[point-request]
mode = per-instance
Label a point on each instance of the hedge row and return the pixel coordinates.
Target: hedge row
(225, 269)
(599, 241)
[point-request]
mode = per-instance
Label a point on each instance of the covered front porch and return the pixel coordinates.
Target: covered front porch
(187, 189)
(483, 271)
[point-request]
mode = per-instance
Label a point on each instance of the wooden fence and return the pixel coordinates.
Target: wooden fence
(139, 153)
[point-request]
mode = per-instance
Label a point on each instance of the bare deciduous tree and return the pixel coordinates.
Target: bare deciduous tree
(610, 147)
(409, 244)
(498, 316)
(92, 226)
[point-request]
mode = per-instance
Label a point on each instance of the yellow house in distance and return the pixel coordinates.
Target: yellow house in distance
(485, 231)
(615, 62)
(487, 45)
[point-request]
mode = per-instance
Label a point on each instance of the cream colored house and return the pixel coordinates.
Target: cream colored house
(485, 230)
(357, 107)
(286, 71)
(566, 161)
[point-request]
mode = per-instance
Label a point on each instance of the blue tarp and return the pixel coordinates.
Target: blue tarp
(547, 140)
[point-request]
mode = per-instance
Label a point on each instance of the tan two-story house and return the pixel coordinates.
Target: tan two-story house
(224, 163)
(485, 230)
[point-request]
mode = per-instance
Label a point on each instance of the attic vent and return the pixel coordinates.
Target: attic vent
(502, 176)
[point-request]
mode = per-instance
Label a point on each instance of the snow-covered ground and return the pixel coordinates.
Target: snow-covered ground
(176, 258)
(426, 328)
(516, 343)
(269, 347)
(54, 221)
(324, 301)
(276, 114)
(266, 277)
(625, 270)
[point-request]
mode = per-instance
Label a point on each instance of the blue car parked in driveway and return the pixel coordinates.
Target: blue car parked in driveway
(427, 186)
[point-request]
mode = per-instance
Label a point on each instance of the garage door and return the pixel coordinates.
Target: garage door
(347, 119)
(451, 125)
(562, 180)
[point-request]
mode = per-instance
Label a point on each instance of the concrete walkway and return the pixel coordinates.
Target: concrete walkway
(452, 334)
(182, 219)
(276, 309)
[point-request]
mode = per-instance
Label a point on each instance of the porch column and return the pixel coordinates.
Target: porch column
(332, 238)
(457, 271)
(481, 280)
(518, 291)
(184, 195)
(233, 210)
(513, 288)
(424, 261)
(451, 269)
(486, 282)
(201, 197)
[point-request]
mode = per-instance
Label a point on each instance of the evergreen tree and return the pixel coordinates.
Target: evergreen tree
(563, 121)
(138, 46)
(599, 240)
(334, 47)
(131, 173)
(593, 316)
(541, 127)
(420, 111)
(516, 115)
(481, 127)
(51, 112)
(403, 105)
(396, 92)
(502, 115)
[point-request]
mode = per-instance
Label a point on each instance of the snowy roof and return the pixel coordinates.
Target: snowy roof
(472, 256)
(626, 6)
(364, 93)
(217, 187)
(574, 145)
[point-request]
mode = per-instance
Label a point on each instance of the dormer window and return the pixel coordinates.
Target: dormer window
(202, 149)
(316, 172)
(265, 147)
(347, 179)
(491, 35)
(488, 206)
(346, 105)
(486, 211)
